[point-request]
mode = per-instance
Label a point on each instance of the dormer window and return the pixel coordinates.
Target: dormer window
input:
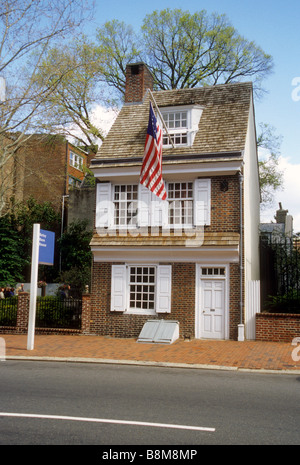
(182, 124)
(177, 124)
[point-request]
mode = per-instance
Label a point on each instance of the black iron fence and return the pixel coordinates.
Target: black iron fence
(8, 311)
(280, 274)
(53, 312)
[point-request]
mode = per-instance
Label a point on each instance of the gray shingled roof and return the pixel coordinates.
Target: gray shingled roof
(222, 127)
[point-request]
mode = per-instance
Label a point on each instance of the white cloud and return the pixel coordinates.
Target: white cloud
(289, 196)
(103, 117)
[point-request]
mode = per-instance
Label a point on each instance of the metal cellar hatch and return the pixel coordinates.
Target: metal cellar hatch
(159, 331)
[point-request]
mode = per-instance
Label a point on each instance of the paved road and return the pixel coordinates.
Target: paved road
(73, 403)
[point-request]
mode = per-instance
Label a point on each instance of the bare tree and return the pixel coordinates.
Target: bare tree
(27, 29)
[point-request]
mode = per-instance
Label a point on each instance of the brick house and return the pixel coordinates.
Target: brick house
(187, 258)
(44, 168)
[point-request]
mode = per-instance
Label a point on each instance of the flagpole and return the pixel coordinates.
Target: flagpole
(161, 118)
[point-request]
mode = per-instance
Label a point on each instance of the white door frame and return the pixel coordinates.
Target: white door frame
(199, 278)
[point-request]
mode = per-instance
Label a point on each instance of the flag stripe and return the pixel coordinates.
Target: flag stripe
(151, 172)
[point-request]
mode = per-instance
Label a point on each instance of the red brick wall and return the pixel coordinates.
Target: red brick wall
(277, 327)
(105, 322)
(225, 206)
(45, 169)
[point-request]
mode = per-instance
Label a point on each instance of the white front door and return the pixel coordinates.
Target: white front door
(212, 309)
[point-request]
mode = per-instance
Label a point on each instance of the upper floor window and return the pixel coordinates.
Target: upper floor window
(76, 161)
(180, 198)
(132, 205)
(125, 204)
(182, 124)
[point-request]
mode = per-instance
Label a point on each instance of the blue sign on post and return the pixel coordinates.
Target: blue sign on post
(46, 247)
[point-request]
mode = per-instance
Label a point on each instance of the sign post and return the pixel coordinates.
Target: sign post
(33, 286)
(42, 253)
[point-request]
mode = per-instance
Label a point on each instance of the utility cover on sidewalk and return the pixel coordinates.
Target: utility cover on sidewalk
(159, 331)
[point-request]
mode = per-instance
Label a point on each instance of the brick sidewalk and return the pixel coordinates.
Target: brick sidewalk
(247, 355)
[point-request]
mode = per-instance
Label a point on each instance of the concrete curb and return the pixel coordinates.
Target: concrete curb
(149, 363)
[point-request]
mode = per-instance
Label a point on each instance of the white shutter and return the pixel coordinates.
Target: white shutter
(163, 296)
(202, 201)
(103, 205)
(144, 200)
(118, 288)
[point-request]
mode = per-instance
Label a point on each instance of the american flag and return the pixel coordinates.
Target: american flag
(151, 172)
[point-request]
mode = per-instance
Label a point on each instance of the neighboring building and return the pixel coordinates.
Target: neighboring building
(188, 258)
(283, 228)
(45, 168)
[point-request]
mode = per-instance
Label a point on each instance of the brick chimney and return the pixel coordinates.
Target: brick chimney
(138, 80)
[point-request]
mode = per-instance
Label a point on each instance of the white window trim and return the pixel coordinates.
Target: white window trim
(184, 224)
(120, 292)
(123, 226)
(194, 113)
(72, 157)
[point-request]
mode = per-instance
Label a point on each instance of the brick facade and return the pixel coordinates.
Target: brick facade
(224, 217)
(225, 204)
(41, 170)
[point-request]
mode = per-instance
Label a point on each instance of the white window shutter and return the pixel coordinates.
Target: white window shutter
(164, 285)
(118, 288)
(202, 202)
(144, 201)
(104, 205)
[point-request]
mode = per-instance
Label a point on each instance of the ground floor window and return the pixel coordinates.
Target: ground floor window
(143, 289)
(142, 283)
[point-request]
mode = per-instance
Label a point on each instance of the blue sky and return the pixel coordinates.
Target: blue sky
(275, 26)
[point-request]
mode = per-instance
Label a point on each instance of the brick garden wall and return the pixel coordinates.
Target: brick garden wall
(277, 327)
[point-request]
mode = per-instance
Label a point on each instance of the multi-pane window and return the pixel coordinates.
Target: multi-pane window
(76, 161)
(210, 271)
(125, 205)
(180, 198)
(177, 124)
(142, 287)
